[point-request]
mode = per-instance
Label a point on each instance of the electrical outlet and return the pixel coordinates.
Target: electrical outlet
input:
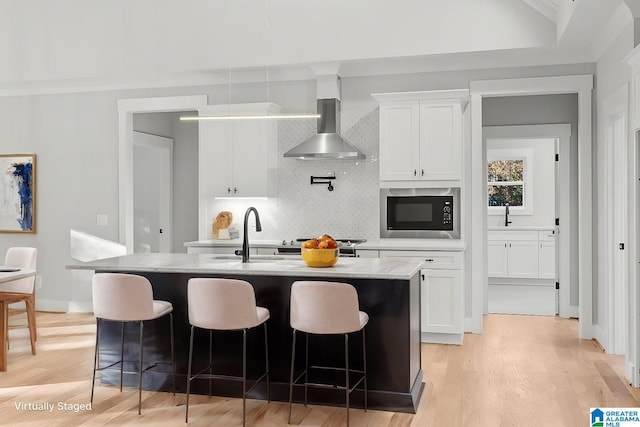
(101, 219)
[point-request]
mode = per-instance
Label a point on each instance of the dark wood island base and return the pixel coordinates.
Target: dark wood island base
(388, 290)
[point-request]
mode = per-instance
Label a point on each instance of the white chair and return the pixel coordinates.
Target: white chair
(326, 308)
(18, 257)
(225, 304)
(127, 298)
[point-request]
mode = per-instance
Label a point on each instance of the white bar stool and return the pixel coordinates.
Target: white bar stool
(127, 298)
(326, 308)
(225, 304)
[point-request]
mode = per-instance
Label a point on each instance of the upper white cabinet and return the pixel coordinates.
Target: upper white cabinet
(238, 157)
(421, 137)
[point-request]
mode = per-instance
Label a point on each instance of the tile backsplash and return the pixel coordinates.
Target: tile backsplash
(305, 210)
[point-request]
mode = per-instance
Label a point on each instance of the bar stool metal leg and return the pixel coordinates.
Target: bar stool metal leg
(186, 413)
(346, 373)
(364, 364)
(173, 361)
(210, 359)
(266, 358)
(244, 376)
(306, 367)
(293, 364)
(140, 370)
(95, 359)
(121, 353)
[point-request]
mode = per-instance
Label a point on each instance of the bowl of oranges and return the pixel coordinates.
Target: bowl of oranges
(320, 252)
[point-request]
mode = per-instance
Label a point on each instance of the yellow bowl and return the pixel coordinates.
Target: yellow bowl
(320, 257)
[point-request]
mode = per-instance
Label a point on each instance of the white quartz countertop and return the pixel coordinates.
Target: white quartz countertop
(402, 268)
(522, 228)
(414, 244)
(232, 243)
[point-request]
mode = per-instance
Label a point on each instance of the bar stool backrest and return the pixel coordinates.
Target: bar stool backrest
(122, 297)
(319, 307)
(222, 304)
(19, 257)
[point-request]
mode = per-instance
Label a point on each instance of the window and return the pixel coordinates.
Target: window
(510, 180)
(506, 182)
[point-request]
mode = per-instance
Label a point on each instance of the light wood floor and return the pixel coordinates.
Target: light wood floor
(522, 371)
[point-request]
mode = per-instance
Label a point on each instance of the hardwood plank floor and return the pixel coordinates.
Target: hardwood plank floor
(522, 371)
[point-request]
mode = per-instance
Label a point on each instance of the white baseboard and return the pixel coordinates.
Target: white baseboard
(470, 325)
(80, 307)
(600, 335)
(433, 338)
(631, 374)
(52, 305)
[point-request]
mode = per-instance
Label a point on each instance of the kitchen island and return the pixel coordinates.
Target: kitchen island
(388, 290)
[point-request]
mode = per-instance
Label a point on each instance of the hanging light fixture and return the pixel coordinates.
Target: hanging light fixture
(231, 116)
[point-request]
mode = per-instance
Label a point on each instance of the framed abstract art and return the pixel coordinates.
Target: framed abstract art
(17, 193)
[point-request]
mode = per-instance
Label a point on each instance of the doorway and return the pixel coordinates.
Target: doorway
(528, 250)
(126, 110)
(152, 192)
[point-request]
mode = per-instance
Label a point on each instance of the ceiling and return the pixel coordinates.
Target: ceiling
(74, 42)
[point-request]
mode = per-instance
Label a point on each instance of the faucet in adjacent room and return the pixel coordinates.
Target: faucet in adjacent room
(506, 215)
(245, 240)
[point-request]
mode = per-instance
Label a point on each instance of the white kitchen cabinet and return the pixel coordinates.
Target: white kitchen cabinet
(367, 253)
(521, 254)
(497, 258)
(421, 137)
(441, 301)
(441, 295)
(238, 158)
(522, 259)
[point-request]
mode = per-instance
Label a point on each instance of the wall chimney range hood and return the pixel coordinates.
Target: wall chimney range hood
(327, 143)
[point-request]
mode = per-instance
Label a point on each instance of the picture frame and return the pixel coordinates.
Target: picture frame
(17, 193)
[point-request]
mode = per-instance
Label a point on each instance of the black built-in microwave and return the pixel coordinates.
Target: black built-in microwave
(419, 213)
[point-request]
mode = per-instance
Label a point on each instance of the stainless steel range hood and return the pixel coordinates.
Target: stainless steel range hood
(327, 143)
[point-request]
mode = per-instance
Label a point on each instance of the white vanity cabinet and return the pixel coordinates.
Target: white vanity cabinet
(441, 295)
(546, 255)
(421, 137)
(521, 254)
(238, 158)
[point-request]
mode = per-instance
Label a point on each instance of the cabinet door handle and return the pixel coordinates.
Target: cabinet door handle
(505, 245)
(429, 260)
(415, 172)
(509, 244)
(422, 173)
(228, 190)
(235, 190)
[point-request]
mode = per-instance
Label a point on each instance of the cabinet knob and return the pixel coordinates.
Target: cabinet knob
(235, 190)
(228, 190)
(422, 173)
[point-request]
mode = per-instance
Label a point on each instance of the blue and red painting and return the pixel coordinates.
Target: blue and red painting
(17, 193)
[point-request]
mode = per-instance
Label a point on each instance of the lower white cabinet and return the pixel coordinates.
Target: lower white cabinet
(521, 254)
(441, 295)
(441, 301)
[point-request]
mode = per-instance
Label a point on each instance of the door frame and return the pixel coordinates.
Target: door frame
(126, 109)
(614, 106)
(583, 86)
(165, 145)
(562, 133)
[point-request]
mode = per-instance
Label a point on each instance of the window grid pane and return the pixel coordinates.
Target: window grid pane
(499, 195)
(505, 170)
